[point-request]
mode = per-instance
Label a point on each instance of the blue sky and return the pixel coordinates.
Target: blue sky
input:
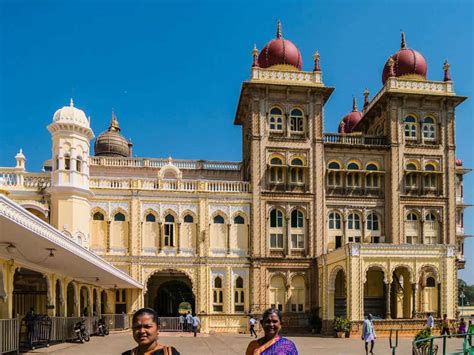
(172, 71)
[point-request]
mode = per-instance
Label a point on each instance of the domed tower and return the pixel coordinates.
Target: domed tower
(71, 136)
(350, 120)
(111, 143)
(406, 63)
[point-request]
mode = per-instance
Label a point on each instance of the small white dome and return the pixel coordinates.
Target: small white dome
(70, 114)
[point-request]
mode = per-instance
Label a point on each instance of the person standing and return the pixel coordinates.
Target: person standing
(430, 322)
(252, 322)
(181, 323)
(462, 327)
(368, 334)
(196, 323)
(445, 325)
(189, 321)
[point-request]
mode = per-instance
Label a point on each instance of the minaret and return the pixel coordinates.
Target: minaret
(71, 135)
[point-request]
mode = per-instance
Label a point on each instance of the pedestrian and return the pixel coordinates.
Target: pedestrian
(368, 334)
(181, 323)
(146, 328)
(189, 321)
(462, 327)
(470, 332)
(445, 325)
(196, 323)
(30, 326)
(430, 321)
(272, 342)
(252, 322)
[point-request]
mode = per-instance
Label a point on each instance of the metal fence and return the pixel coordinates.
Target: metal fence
(171, 324)
(9, 335)
(117, 321)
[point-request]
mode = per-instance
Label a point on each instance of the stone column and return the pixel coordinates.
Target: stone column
(108, 237)
(414, 288)
(227, 241)
(388, 298)
(286, 237)
(160, 232)
(178, 237)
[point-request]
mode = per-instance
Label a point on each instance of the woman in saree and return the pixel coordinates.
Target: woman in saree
(272, 343)
(145, 327)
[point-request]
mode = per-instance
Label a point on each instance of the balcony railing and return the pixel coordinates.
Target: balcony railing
(347, 139)
(170, 185)
(12, 179)
(159, 163)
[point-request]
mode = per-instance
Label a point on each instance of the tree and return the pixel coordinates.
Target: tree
(468, 291)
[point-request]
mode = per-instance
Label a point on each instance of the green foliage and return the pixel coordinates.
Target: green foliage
(423, 334)
(468, 292)
(341, 324)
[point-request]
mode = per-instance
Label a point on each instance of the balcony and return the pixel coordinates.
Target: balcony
(14, 179)
(347, 191)
(353, 140)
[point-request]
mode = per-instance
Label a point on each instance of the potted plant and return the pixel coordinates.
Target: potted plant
(341, 326)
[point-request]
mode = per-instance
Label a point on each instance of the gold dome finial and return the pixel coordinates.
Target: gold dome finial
(403, 44)
(114, 124)
(278, 33)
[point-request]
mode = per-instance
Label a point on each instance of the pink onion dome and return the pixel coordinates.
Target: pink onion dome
(458, 162)
(280, 51)
(350, 120)
(406, 62)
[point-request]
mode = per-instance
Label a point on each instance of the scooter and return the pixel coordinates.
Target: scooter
(81, 331)
(102, 328)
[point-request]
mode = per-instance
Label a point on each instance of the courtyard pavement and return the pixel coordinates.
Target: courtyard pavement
(229, 344)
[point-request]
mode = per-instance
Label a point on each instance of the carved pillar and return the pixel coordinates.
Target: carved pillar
(178, 237)
(388, 298)
(422, 229)
(414, 288)
(439, 301)
(363, 222)
(108, 237)
(160, 232)
(228, 240)
(286, 237)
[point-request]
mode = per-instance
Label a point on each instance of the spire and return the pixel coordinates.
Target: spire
(316, 57)
(278, 34)
(354, 104)
(114, 125)
(71, 102)
(366, 98)
(447, 73)
(403, 44)
(255, 56)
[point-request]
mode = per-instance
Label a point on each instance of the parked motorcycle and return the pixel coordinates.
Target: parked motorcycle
(102, 328)
(81, 331)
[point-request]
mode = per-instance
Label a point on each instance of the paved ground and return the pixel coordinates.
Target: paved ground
(231, 344)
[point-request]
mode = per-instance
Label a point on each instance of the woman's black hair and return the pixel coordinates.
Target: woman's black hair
(151, 312)
(271, 311)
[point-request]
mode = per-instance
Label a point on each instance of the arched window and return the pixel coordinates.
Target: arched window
(353, 222)
(218, 219)
(412, 228)
(296, 121)
(239, 220)
(297, 299)
(429, 129)
(119, 217)
(334, 175)
(297, 229)
(188, 219)
(67, 162)
(430, 179)
(276, 120)
(276, 229)
(296, 176)
(372, 180)
(430, 282)
(334, 220)
(430, 229)
(277, 292)
(150, 218)
(168, 231)
(79, 164)
(98, 216)
(373, 222)
(217, 300)
(410, 127)
(353, 178)
(411, 177)
(276, 170)
(239, 295)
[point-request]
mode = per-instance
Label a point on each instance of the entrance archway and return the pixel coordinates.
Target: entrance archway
(71, 300)
(84, 302)
(375, 293)
(340, 299)
(29, 291)
(103, 302)
(401, 293)
(169, 293)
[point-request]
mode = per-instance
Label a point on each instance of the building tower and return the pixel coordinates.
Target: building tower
(70, 209)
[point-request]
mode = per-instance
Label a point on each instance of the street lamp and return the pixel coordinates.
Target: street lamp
(462, 296)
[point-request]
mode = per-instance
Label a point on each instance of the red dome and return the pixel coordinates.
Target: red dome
(280, 51)
(458, 162)
(350, 120)
(406, 62)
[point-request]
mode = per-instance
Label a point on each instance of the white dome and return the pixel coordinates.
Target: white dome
(70, 114)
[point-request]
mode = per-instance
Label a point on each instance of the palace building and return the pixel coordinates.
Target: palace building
(316, 224)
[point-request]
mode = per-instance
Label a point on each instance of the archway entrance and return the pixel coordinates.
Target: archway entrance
(71, 300)
(170, 293)
(340, 299)
(29, 292)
